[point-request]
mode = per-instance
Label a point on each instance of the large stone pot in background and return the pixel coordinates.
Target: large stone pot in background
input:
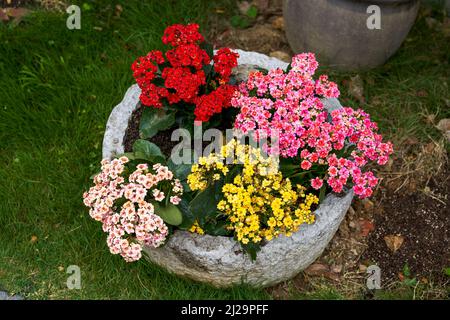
(218, 260)
(336, 30)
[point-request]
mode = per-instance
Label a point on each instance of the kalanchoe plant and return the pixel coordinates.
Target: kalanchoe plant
(248, 197)
(134, 203)
(189, 82)
(316, 145)
(139, 198)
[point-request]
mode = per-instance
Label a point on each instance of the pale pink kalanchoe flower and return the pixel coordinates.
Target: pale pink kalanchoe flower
(175, 200)
(134, 223)
(158, 195)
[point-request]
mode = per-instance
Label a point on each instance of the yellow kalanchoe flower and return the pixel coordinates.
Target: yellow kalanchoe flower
(196, 228)
(259, 204)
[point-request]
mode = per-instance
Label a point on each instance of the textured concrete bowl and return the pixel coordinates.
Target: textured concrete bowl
(219, 260)
(336, 30)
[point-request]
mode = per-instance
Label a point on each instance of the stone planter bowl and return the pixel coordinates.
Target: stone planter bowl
(218, 260)
(336, 30)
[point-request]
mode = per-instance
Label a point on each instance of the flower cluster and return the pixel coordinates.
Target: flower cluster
(214, 102)
(283, 103)
(259, 203)
(287, 105)
(304, 64)
(124, 205)
(224, 61)
(178, 34)
(180, 76)
(195, 228)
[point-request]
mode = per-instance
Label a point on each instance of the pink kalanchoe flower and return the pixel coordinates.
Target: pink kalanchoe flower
(316, 183)
(288, 107)
(305, 64)
(305, 165)
(326, 88)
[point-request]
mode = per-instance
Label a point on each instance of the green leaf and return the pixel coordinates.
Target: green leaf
(162, 66)
(87, 6)
(289, 67)
(240, 22)
(288, 168)
(169, 213)
(188, 216)
(158, 82)
(288, 165)
(216, 229)
(147, 150)
(322, 193)
(208, 48)
(207, 68)
(252, 249)
(252, 12)
(406, 270)
(204, 205)
(235, 171)
(154, 120)
(410, 282)
(298, 174)
(180, 171)
(447, 271)
(185, 120)
(186, 187)
(146, 147)
(93, 175)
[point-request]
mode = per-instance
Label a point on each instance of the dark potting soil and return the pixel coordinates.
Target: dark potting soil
(132, 132)
(161, 139)
(423, 219)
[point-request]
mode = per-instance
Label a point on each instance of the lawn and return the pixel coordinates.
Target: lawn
(57, 89)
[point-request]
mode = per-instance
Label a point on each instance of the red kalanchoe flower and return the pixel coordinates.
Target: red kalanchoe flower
(224, 61)
(188, 55)
(179, 34)
(209, 104)
(185, 83)
(144, 68)
(179, 76)
(151, 95)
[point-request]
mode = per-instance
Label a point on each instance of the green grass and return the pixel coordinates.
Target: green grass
(57, 88)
